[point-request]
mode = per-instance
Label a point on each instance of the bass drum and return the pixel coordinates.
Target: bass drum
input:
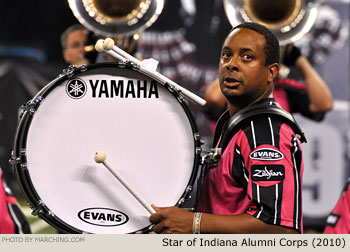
(145, 128)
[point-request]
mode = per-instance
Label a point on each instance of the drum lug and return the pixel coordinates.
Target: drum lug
(189, 189)
(24, 166)
(83, 68)
(173, 89)
(181, 98)
(187, 192)
(39, 210)
(150, 229)
(32, 104)
(178, 93)
(17, 160)
(198, 150)
(197, 136)
(129, 65)
(212, 157)
(29, 108)
(50, 213)
(181, 201)
(69, 72)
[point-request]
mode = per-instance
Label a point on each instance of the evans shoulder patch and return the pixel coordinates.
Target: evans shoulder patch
(266, 154)
(267, 172)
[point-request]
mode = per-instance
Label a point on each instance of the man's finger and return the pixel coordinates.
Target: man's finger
(155, 218)
(158, 228)
(157, 209)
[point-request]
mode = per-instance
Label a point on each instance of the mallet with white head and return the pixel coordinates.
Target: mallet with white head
(100, 157)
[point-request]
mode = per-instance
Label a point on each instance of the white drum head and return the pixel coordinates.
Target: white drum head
(142, 127)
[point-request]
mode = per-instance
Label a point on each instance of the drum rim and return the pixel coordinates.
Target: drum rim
(20, 143)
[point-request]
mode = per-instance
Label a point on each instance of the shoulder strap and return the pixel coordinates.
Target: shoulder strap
(235, 122)
(219, 128)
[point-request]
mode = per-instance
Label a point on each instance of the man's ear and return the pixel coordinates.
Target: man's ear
(273, 70)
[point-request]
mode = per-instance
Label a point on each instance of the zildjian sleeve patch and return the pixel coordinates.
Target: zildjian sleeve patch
(267, 172)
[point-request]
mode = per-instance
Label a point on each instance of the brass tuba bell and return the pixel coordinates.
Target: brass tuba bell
(113, 18)
(289, 20)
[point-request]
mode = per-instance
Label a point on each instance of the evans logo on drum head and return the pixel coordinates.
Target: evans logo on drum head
(103, 217)
(76, 88)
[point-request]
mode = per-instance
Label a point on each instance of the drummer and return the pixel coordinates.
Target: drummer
(256, 187)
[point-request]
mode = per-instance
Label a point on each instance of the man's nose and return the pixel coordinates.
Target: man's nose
(233, 64)
(82, 48)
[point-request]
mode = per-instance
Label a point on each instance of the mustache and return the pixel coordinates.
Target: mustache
(232, 77)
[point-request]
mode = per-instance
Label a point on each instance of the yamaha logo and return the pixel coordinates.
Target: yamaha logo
(103, 217)
(76, 88)
(266, 154)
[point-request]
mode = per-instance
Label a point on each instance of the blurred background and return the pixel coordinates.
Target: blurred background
(186, 40)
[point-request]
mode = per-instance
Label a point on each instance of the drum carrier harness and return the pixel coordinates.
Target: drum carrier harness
(226, 129)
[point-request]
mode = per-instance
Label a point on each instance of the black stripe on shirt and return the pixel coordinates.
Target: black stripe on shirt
(262, 131)
(239, 172)
(279, 203)
(296, 159)
(269, 200)
(255, 197)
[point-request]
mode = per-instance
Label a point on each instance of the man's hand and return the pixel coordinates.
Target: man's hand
(291, 54)
(171, 220)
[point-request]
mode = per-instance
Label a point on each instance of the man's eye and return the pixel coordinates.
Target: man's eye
(247, 57)
(226, 55)
(75, 45)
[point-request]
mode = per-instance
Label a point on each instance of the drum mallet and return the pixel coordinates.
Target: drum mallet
(100, 157)
(114, 51)
(99, 48)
